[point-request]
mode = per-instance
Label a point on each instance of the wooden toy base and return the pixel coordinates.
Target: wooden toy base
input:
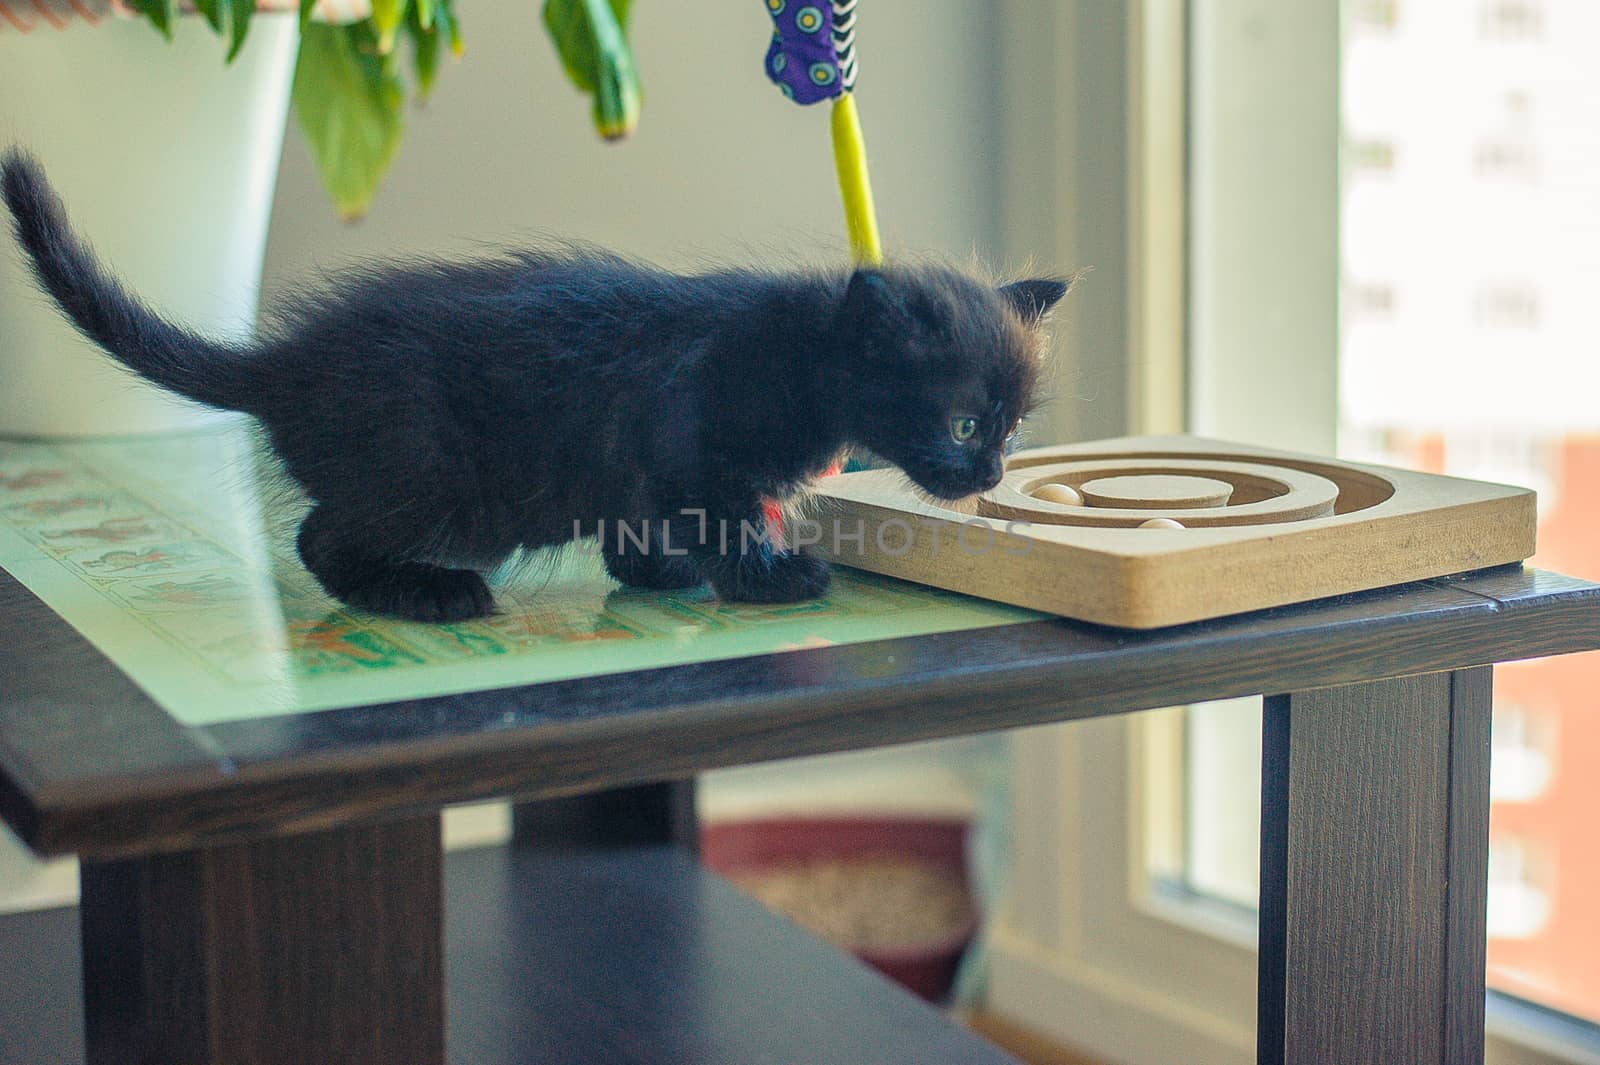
(1144, 532)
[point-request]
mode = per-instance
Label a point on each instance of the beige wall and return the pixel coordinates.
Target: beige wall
(722, 167)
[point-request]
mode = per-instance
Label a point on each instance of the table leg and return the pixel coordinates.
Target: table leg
(1374, 860)
(325, 947)
(621, 817)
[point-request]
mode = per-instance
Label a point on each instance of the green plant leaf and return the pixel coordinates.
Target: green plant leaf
(212, 11)
(348, 101)
(445, 15)
(229, 18)
(590, 37)
(386, 16)
(306, 9)
(161, 13)
(446, 23)
(423, 9)
(424, 48)
(238, 25)
(567, 22)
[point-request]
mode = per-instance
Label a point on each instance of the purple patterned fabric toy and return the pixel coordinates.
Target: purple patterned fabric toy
(813, 53)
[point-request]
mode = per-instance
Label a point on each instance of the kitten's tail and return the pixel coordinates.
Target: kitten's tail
(102, 309)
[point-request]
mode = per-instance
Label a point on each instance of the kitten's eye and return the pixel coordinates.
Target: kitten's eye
(963, 429)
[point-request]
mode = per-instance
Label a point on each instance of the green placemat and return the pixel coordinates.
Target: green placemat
(165, 555)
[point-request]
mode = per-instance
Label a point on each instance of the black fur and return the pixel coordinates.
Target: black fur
(442, 416)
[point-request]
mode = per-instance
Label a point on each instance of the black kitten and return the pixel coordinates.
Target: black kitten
(443, 416)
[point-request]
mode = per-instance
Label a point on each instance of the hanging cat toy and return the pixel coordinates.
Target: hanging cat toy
(813, 58)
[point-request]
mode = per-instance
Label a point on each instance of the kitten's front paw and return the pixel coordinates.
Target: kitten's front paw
(420, 592)
(661, 572)
(772, 579)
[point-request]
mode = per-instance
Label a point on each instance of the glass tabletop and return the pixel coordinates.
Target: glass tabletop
(174, 556)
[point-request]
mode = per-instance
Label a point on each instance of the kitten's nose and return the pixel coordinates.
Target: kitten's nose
(992, 473)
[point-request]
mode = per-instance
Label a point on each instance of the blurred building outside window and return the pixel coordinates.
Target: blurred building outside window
(1470, 345)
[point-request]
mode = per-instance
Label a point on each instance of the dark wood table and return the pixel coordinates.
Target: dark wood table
(273, 890)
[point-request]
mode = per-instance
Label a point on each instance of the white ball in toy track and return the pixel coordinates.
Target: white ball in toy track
(1064, 494)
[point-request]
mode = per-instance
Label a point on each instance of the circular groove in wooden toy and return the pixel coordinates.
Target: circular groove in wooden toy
(1358, 489)
(1260, 492)
(1155, 491)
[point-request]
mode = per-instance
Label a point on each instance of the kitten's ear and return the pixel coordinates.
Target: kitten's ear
(1032, 299)
(870, 302)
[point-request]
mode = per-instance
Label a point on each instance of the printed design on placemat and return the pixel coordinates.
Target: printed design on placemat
(41, 510)
(338, 645)
(162, 594)
(24, 480)
(157, 558)
(156, 550)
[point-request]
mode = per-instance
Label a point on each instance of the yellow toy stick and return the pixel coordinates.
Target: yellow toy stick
(855, 185)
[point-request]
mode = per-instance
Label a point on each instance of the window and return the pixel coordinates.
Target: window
(1421, 229)
(1469, 211)
(1494, 270)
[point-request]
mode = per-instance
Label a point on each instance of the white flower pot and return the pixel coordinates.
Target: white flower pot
(166, 160)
